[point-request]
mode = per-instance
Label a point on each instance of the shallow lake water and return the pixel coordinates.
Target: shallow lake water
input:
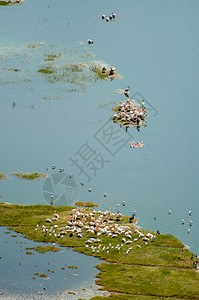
(19, 281)
(63, 117)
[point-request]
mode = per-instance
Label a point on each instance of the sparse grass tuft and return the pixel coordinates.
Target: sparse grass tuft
(43, 275)
(72, 267)
(2, 176)
(87, 204)
(29, 176)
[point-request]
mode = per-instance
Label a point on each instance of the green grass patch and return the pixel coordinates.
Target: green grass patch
(147, 280)
(43, 275)
(157, 269)
(44, 249)
(72, 267)
(87, 204)
(10, 2)
(29, 176)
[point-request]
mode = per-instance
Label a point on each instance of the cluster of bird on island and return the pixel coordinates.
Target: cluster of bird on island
(130, 113)
(97, 223)
(136, 145)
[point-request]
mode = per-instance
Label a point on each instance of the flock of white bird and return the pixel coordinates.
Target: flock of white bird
(97, 223)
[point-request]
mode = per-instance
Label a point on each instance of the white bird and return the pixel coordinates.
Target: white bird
(70, 175)
(82, 183)
(105, 194)
(113, 15)
(190, 213)
(188, 230)
(107, 19)
(103, 17)
(169, 212)
(89, 190)
(182, 221)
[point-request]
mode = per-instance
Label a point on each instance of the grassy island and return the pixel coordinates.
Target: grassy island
(104, 74)
(10, 2)
(142, 264)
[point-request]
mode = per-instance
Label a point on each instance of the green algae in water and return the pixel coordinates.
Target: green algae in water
(2, 176)
(29, 176)
(47, 70)
(35, 45)
(52, 57)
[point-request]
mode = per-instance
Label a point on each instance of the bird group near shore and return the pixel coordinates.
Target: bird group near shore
(84, 223)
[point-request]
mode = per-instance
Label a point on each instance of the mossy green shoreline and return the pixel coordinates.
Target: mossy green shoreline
(138, 268)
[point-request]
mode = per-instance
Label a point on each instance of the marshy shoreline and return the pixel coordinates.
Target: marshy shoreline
(145, 259)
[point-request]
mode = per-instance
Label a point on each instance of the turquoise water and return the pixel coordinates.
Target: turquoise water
(154, 47)
(18, 271)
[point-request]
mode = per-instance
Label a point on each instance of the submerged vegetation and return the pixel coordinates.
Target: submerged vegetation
(29, 176)
(2, 176)
(141, 263)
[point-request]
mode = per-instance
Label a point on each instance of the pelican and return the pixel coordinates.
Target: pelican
(110, 17)
(56, 215)
(190, 213)
(113, 15)
(188, 230)
(104, 69)
(127, 89)
(89, 190)
(53, 167)
(70, 175)
(103, 17)
(82, 183)
(182, 221)
(107, 19)
(169, 212)
(112, 71)
(90, 41)
(105, 194)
